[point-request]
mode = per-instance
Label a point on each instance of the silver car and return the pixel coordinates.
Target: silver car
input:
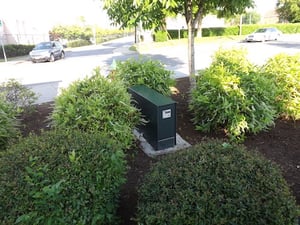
(47, 51)
(264, 34)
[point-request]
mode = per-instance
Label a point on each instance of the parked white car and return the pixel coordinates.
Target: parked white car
(264, 34)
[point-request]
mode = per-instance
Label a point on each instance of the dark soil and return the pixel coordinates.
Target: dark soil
(281, 144)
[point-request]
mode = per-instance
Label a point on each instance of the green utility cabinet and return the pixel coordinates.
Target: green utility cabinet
(159, 112)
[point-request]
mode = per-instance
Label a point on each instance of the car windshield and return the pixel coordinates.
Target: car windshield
(261, 31)
(43, 45)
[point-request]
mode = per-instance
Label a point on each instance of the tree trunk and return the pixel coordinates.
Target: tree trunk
(199, 27)
(191, 53)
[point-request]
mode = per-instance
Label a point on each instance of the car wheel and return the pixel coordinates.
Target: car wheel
(33, 61)
(62, 56)
(51, 58)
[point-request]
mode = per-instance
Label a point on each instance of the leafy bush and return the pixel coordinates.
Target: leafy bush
(220, 31)
(16, 50)
(8, 125)
(148, 72)
(287, 28)
(215, 183)
(97, 104)
(71, 32)
(76, 36)
(61, 178)
(178, 33)
(17, 95)
(161, 36)
(284, 70)
(242, 98)
(78, 43)
(14, 100)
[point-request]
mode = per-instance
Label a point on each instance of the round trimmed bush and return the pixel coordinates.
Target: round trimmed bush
(215, 183)
(61, 178)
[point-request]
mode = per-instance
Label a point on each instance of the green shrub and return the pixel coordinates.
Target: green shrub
(61, 178)
(232, 94)
(71, 32)
(84, 34)
(161, 36)
(16, 50)
(97, 104)
(215, 183)
(9, 125)
(286, 28)
(78, 43)
(179, 33)
(284, 70)
(14, 100)
(18, 96)
(148, 72)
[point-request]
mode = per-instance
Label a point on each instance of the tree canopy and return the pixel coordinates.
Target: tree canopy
(152, 14)
(129, 13)
(289, 10)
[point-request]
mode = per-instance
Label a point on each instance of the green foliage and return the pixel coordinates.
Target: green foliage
(14, 100)
(232, 94)
(97, 104)
(286, 28)
(61, 178)
(78, 43)
(148, 72)
(284, 71)
(289, 11)
(72, 32)
(220, 31)
(176, 34)
(82, 35)
(247, 18)
(152, 14)
(16, 50)
(129, 13)
(161, 36)
(215, 183)
(234, 30)
(251, 18)
(8, 124)
(17, 95)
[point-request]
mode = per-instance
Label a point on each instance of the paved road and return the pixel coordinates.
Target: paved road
(80, 62)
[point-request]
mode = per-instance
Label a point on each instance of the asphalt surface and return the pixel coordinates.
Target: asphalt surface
(47, 79)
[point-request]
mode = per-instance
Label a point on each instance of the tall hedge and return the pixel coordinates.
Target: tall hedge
(61, 178)
(14, 50)
(215, 183)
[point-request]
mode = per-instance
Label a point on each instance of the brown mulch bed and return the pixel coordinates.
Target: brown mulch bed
(280, 144)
